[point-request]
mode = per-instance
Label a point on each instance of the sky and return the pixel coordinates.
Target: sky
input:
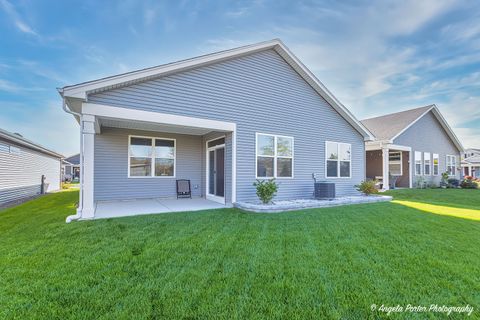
(375, 56)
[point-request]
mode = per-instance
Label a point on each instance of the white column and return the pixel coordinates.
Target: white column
(410, 168)
(234, 165)
(88, 135)
(469, 170)
(385, 171)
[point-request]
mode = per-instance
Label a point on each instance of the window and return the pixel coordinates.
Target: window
(151, 157)
(338, 159)
(435, 164)
(427, 163)
(451, 165)
(418, 163)
(395, 163)
(274, 156)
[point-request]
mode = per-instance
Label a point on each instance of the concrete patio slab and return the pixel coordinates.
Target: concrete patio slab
(125, 208)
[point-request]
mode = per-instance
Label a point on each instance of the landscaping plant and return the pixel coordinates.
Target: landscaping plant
(468, 183)
(266, 190)
(367, 187)
(444, 181)
(453, 183)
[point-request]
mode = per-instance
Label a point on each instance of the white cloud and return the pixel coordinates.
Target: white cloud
(17, 20)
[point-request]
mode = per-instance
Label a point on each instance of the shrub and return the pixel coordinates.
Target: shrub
(453, 183)
(367, 187)
(444, 181)
(468, 183)
(266, 190)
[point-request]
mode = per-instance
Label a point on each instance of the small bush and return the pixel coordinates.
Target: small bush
(266, 190)
(453, 183)
(468, 183)
(367, 187)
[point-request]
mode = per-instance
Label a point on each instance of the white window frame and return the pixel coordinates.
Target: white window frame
(338, 160)
(451, 164)
(425, 163)
(435, 156)
(275, 157)
(415, 163)
(153, 176)
(400, 162)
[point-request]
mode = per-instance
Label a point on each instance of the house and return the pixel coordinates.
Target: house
(412, 148)
(23, 163)
(71, 168)
(220, 120)
(471, 163)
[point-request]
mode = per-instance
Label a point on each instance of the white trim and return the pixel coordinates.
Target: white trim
(410, 169)
(106, 111)
(338, 160)
(275, 156)
(81, 91)
(153, 158)
(395, 162)
(378, 145)
(385, 169)
(415, 163)
(433, 164)
(454, 164)
(425, 163)
(234, 165)
(209, 196)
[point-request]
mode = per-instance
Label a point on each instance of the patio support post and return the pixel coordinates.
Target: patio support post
(470, 170)
(385, 171)
(88, 136)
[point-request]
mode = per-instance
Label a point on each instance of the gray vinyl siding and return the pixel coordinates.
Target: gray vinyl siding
(427, 135)
(260, 93)
(111, 179)
(20, 173)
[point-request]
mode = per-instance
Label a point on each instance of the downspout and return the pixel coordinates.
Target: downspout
(78, 215)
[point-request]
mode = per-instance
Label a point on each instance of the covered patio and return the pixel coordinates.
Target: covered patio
(126, 208)
(389, 164)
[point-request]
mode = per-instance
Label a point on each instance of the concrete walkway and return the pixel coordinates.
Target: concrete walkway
(125, 208)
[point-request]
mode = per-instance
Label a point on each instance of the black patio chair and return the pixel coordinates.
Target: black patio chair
(183, 189)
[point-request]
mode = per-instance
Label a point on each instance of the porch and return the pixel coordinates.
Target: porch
(389, 164)
(129, 155)
(126, 208)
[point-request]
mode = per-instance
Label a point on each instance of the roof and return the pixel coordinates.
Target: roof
(472, 160)
(75, 159)
(79, 92)
(19, 140)
(390, 126)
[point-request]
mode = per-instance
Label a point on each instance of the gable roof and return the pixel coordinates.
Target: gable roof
(19, 140)
(75, 159)
(390, 126)
(73, 93)
(472, 160)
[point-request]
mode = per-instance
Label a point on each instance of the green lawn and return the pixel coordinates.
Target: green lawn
(320, 263)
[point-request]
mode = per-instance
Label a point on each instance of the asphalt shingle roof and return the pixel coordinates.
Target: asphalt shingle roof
(388, 126)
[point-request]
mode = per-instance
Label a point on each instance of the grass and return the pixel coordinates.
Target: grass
(321, 263)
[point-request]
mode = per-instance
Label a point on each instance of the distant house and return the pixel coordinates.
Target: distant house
(471, 162)
(412, 147)
(23, 163)
(222, 121)
(71, 168)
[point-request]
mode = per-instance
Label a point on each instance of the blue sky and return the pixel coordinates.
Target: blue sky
(376, 57)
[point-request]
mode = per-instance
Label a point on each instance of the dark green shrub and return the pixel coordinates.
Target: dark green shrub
(453, 183)
(367, 187)
(266, 190)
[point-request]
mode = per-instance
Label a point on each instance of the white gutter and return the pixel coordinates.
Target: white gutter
(78, 215)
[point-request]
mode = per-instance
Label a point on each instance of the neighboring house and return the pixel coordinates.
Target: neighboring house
(71, 168)
(222, 121)
(412, 147)
(471, 163)
(22, 165)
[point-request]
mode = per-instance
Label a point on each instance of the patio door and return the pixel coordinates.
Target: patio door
(216, 170)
